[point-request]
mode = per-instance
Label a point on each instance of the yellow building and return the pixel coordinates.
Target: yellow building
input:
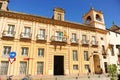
(51, 46)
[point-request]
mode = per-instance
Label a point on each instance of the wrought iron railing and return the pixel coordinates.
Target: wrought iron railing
(8, 33)
(59, 38)
(25, 35)
(41, 37)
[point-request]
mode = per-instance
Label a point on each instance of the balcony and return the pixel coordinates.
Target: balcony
(60, 39)
(8, 34)
(85, 43)
(74, 41)
(94, 43)
(25, 35)
(41, 37)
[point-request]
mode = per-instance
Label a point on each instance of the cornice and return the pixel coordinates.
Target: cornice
(40, 19)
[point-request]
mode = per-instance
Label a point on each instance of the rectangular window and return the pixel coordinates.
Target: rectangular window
(4, 67)
(59, 36)
(86, 55)
(59, 16)
(73, 37)
(103, 49)
(0, 5)
(86, 66)
(75, 55)
(10, 29)
(40, 66)
(23, 67)
(25, 51)
(27, 31)
(41, 52)
(84, 39)
(112, 50)
(93, 41)
(6, 50)
(75, 67)
(41, 34)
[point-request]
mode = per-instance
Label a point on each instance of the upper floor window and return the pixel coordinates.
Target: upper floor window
(98, 17)
(84, 38)
(26, 30)
(93, 40)
(0, 5)
(75, 55)
(40, 66)
(73, 36)
(86, 55)
(59, 36)
(11, 29)
(41, 52)
(88, 20)
(24, 51)
(111, 47)
(59, 16)
(41, 34)
(6, 50)
(103, 49)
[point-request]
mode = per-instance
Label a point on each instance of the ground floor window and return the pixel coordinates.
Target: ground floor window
(4, 68)
(75, 67)
(40, 66)
(23, 67)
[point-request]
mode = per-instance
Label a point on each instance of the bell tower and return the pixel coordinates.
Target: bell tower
(94, 18)
(4, 5)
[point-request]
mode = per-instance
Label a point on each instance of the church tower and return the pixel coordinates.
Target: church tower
(4, 5)
(95, 19)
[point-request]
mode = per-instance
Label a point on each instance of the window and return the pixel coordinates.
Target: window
(41, 34)
(40, 66)
(23, 67)
(75, 55)
(73, 37)
(41, 52)
(59, 36)
(59, 16)
(86, 66)
(93, 40)
(0, 5)
(75, 67)
(111, 47)
(84, 39)
(11, 29)
(101, 38)
(98, 17)
(88, 20)
(6, 50)
(24, 51)
(103, 49)
(27, 31)
(4, 67)
(86, 55)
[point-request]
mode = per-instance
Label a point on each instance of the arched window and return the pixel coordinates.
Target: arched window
(88, 20)
(98, 17)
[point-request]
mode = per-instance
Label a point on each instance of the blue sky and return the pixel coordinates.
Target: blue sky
(74, 9)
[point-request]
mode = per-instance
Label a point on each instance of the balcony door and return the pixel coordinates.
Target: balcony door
(59, 36)
(27, 31)
(41, 34)
(10, 29)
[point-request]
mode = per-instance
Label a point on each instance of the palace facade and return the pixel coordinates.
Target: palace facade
(52, 46)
